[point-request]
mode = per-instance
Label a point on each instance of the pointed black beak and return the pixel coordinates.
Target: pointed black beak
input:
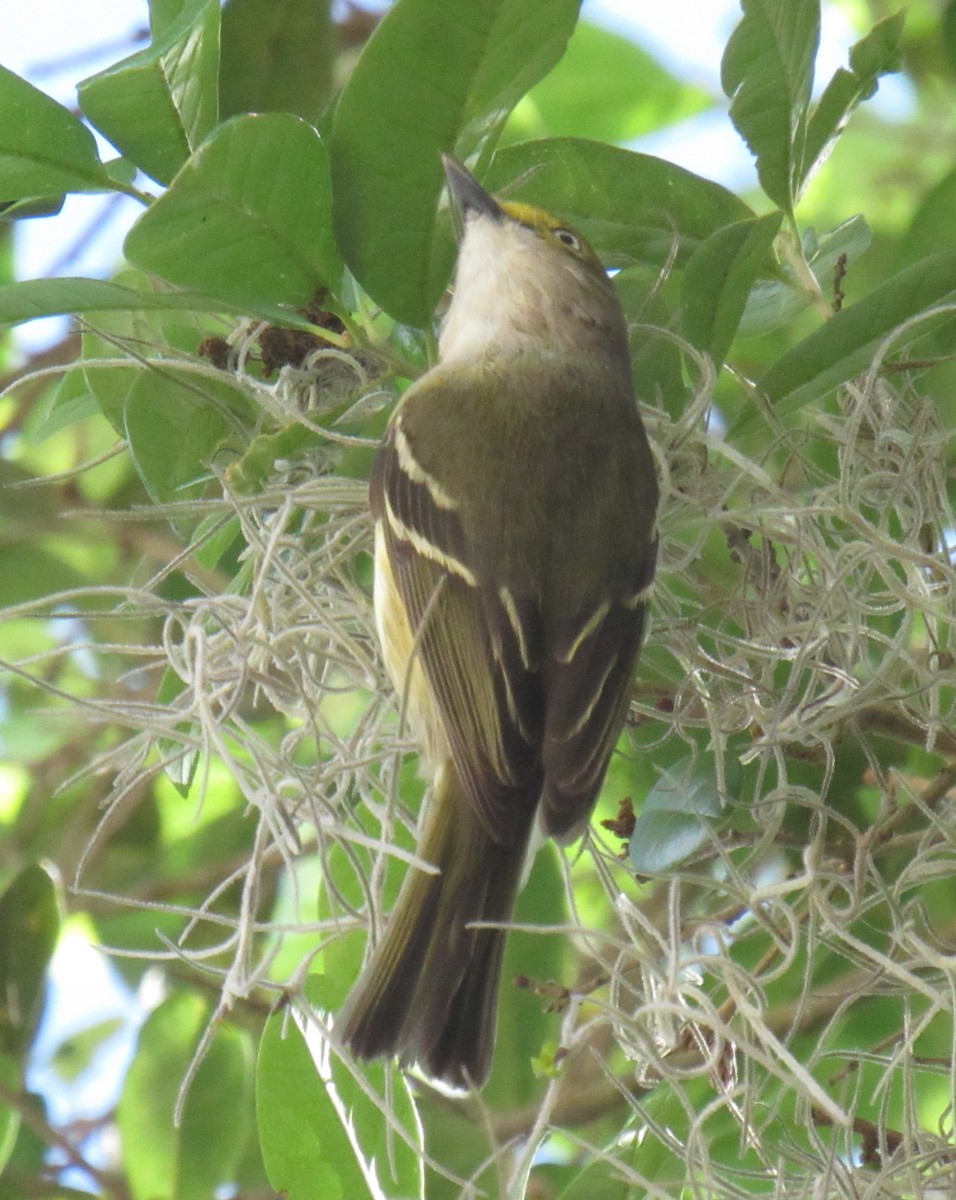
(467, 194)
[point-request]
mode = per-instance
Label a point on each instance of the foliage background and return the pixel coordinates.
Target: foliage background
(748, 993)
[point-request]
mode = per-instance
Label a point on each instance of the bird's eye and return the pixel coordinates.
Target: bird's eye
(567, 237)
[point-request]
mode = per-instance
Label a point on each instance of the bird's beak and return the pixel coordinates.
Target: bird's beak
(467, 194)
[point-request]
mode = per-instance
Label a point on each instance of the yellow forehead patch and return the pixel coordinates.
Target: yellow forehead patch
(544, 223)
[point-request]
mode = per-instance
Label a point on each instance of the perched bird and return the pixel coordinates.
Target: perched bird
(514, 498)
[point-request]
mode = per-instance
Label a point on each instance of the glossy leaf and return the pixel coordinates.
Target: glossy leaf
(157, 105)
(845, 345)
(631, 207)
(247, 219)
(29, 927)
(767, 71)
(718, 280)
(44, 149)
(164, 1161)
(447, 73)
(875, 55)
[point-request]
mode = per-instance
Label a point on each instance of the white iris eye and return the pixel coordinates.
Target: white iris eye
(569, 238)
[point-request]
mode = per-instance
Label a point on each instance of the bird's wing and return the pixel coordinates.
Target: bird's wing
(589, 670)
(476, 665)
(531, 669)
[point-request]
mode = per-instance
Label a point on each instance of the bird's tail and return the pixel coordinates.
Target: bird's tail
(429, 993)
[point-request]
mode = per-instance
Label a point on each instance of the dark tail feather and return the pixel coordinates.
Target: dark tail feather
(429, 995)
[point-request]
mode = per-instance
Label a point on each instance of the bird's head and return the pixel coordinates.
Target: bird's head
(525, 281)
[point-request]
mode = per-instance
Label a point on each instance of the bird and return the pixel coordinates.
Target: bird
(514, 498)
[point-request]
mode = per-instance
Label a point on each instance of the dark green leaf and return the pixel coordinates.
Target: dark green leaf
(247, 219)
(29, 927)
(447, 73)
(718, 279)
(44, 149)
(875, 55)
(676, 817)
(767, 71)
(157, 105)
(656, 361)
(632, 207)
(845, 345)
(186, 1162)
(277, 56)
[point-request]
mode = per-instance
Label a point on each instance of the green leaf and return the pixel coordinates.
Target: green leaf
(875, 55)
(121, 343)
(180, 763)
(675, 819)
(845, 345)
(65, 404)
(567, 104)
(247, 219)
(523, 1024)
(632, 207)
(35, 206)
(176, 423)
(164, 1161)
(75, 1054)
(32, 571)
(767, 71)
(774, 302)
(947, 31)
(321, 1134)
(33, 298)
(158, 105)
(933, 226)
(277, 56)
(44, 149)
(447, 73)
(11, 1076)
(29, 927)
(718, 280)
(656, 360)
